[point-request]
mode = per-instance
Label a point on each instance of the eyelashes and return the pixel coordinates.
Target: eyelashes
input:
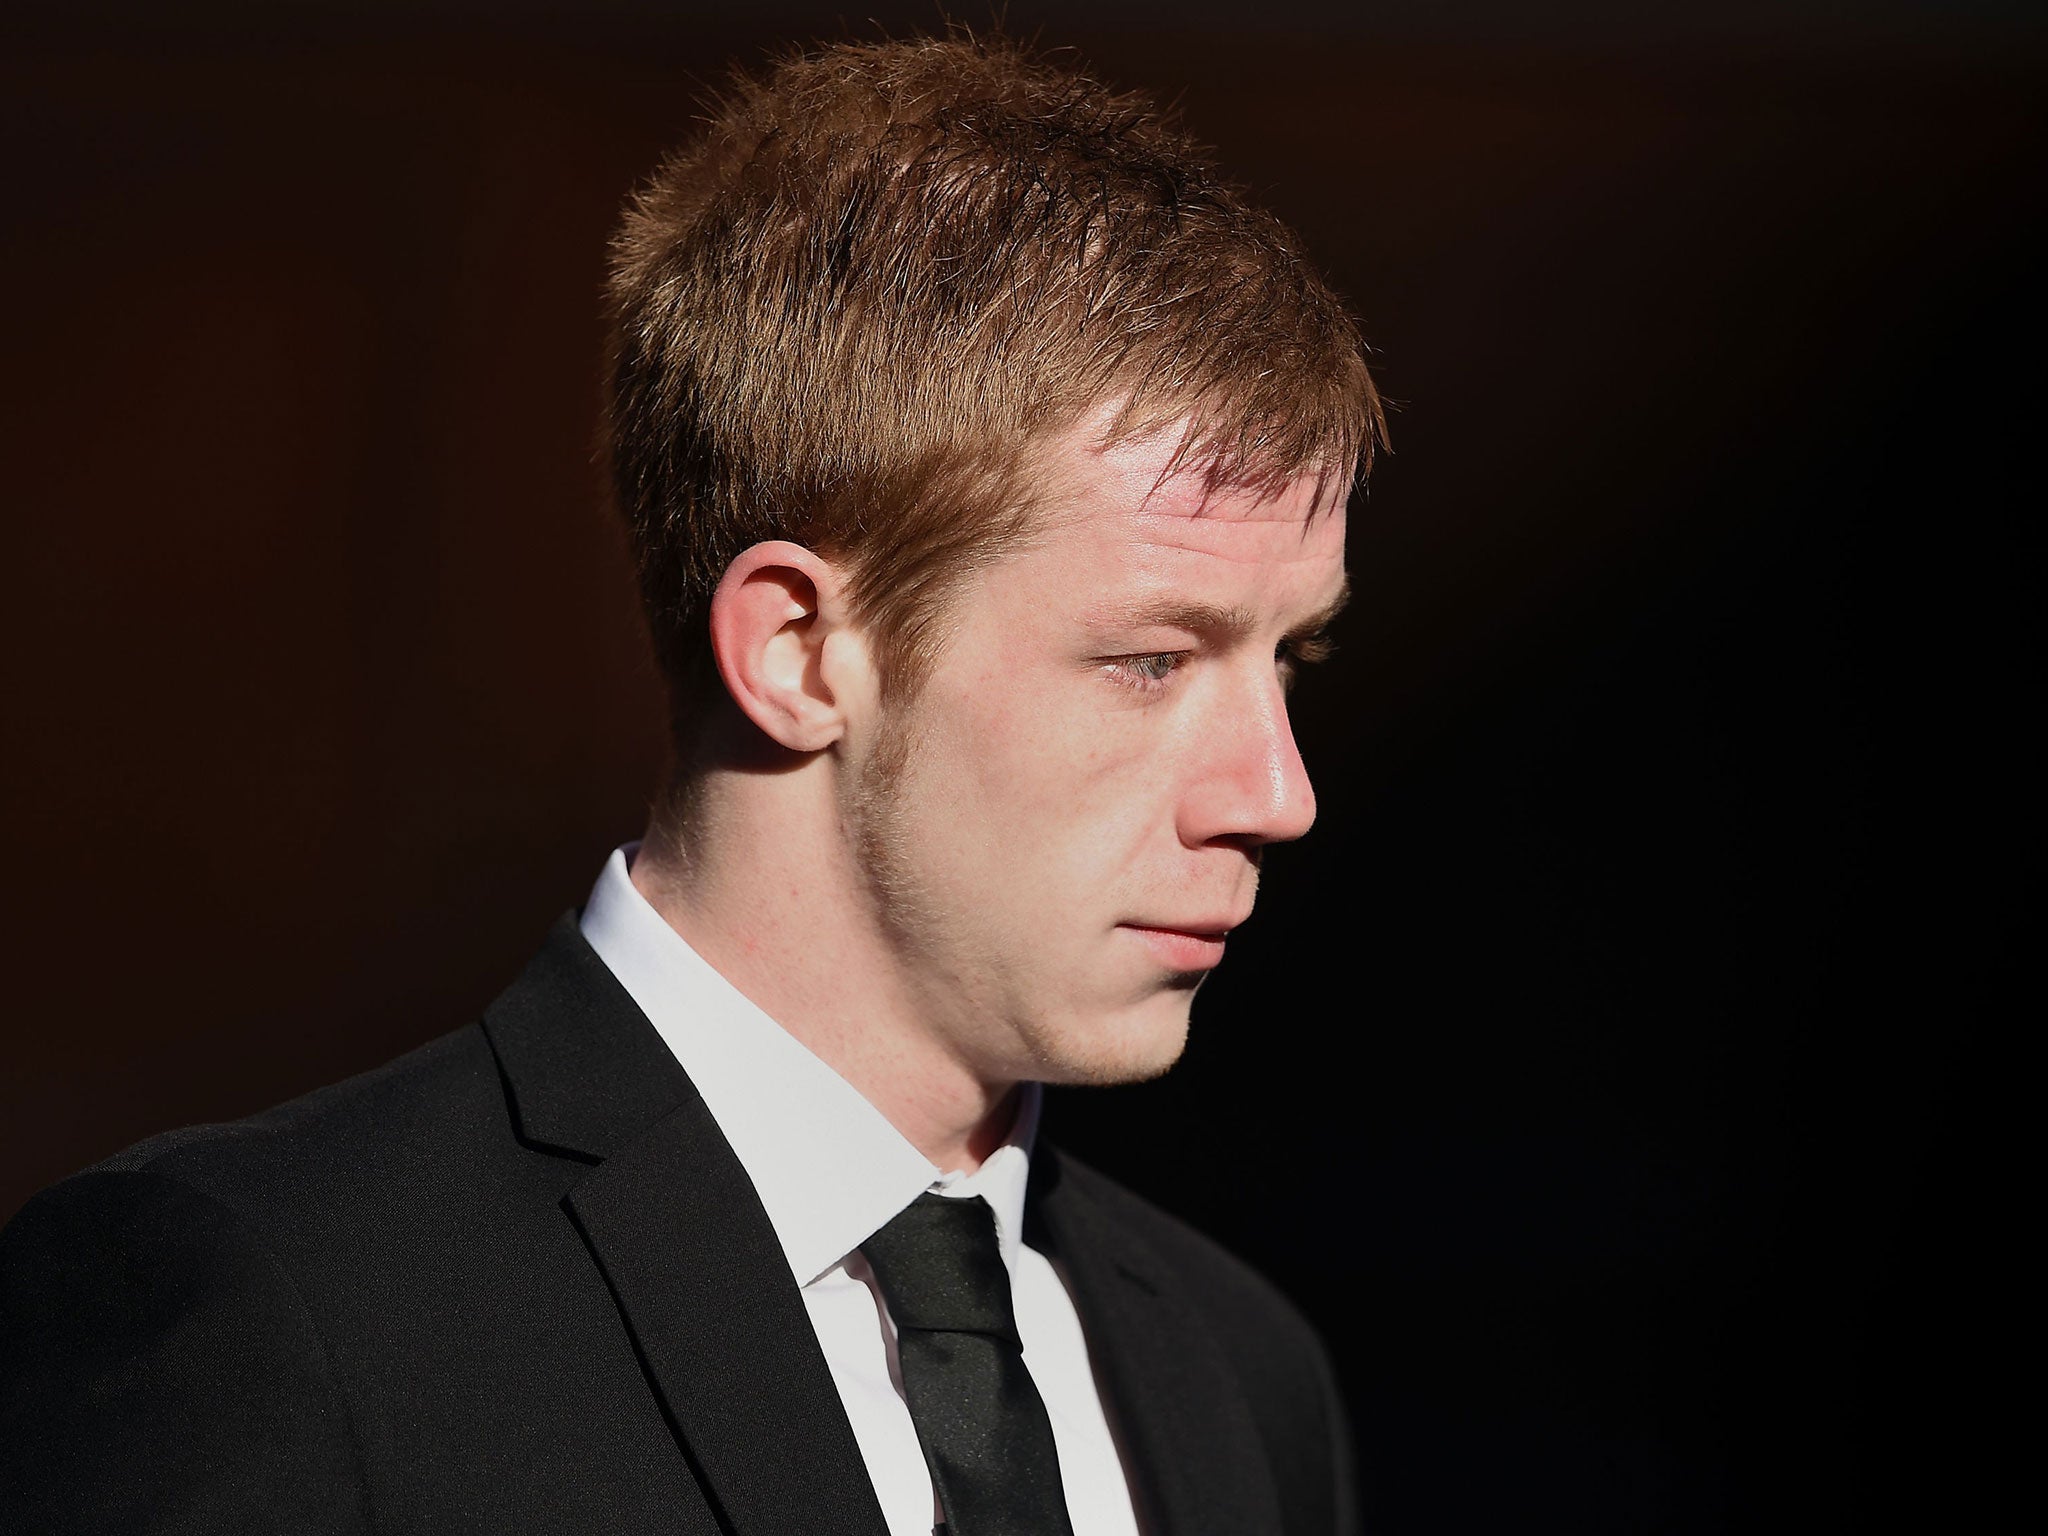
(1147, 673)
(1307, 650)
(1153, 671)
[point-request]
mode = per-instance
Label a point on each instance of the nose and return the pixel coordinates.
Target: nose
(1249, 785)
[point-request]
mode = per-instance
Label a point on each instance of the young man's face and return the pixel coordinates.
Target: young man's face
(1094, 763)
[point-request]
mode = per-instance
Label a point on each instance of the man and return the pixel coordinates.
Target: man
(985, 459)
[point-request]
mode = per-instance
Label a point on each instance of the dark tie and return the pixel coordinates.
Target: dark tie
(979, 1418)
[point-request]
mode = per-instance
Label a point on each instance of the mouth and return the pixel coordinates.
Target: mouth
(1188, 947)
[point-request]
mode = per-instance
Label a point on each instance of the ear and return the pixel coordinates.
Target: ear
(775, 612)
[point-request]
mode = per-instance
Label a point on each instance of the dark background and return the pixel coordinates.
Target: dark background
(1607, 1075)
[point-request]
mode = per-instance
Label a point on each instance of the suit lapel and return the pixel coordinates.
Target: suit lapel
(722, 1332)
(680, 1237)
(1197, 1462)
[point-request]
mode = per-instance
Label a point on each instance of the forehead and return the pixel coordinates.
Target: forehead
(1128, 514)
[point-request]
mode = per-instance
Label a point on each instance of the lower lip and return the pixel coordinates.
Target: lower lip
(1178, 950)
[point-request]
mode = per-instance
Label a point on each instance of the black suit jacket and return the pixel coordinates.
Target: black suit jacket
(516, 1281)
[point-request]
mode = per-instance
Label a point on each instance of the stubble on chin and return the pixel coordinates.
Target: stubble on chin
(1139, 1047)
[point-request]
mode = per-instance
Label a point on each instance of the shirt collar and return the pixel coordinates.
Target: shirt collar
(829, 1167)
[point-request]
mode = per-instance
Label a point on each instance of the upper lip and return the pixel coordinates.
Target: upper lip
(1207, 927)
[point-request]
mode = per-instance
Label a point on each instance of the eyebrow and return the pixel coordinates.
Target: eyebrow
(1216, 620)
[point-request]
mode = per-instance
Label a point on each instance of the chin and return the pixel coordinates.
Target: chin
(1128, 1045)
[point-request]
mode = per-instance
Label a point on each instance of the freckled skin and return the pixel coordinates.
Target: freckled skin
(1083, 770)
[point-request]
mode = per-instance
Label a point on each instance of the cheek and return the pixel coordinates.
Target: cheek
(1040, 789)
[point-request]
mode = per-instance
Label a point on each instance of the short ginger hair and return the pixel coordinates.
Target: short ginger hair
(886, 272)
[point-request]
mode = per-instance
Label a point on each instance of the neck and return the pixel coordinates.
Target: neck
(757, 877)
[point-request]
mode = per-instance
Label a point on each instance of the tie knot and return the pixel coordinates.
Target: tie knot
(941, 1268)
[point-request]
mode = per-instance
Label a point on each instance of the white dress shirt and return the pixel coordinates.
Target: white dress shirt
(830, 1171)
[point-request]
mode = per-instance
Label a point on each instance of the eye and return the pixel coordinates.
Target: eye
(1145, 672)
(1290, 656)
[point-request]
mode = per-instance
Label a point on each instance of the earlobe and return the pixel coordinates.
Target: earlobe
(773, 611)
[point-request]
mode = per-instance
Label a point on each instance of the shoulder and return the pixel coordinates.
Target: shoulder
(429, 1095)
(352, 1153)
(163, 1368)
(176, 1322)
(230, 1204)
(287, 1208)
